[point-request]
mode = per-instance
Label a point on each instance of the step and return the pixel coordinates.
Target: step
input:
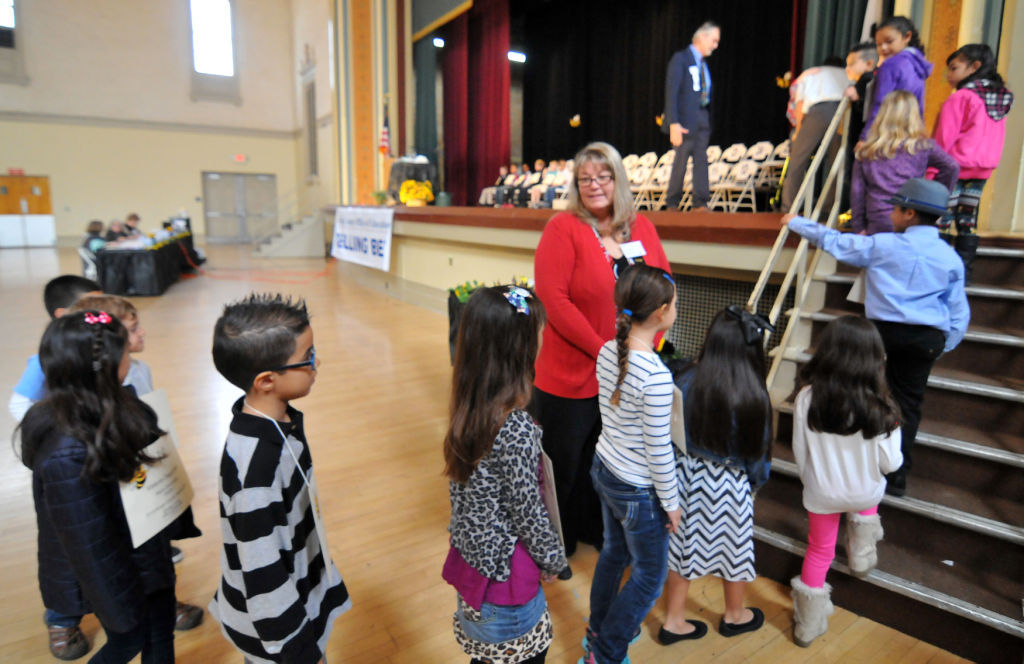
(904, 587)
(939, 557)
(979, 334)
(930, 510)
(992, 451)
(956, 381)
(1000, 252)
(997, 292)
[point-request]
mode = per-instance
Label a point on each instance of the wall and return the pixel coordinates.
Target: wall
(107, 112)
(105, 171)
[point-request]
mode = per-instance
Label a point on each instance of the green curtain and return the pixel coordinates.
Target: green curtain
(833, 26)
(424, 56)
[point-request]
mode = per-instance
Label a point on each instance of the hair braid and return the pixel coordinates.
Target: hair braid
(623, 324)
(97, 347)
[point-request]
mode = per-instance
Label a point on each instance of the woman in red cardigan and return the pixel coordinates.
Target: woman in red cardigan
(580, 255)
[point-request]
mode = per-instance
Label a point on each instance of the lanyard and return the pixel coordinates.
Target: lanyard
(284, 441)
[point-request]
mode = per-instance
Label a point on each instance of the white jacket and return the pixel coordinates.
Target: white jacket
(841, 473)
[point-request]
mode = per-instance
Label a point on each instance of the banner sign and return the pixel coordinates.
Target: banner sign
(363, 235)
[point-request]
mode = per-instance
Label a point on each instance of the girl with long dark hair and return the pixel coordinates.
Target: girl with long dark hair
(503, 542)
(846, 436)
(81, 440)
(903, 66)
(727, 415)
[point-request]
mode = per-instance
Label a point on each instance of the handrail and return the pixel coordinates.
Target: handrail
(798, 269)
(803, 195)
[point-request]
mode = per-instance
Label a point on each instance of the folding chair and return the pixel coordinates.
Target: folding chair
(637, 179)
(652, 193)
(686, 202)
(734, 153)
(737, 189)
(88, 263)
(714, 153)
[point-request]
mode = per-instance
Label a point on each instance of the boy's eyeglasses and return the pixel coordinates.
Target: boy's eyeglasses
(311, 362)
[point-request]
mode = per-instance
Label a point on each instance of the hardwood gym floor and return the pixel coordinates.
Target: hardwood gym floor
(375, 421)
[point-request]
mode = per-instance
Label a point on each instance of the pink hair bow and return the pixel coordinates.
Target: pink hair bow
(102, 317)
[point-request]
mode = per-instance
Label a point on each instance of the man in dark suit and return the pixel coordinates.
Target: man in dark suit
(687, 118)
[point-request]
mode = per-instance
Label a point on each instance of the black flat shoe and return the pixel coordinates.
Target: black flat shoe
(730, 629)
(667, 638)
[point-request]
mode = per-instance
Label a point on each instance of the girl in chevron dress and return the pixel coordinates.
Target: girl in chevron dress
(727, 416)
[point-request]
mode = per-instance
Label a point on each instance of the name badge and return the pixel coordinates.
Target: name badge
(633, 250)
(695, 75)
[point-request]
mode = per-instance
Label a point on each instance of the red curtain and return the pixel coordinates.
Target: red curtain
(476, 99)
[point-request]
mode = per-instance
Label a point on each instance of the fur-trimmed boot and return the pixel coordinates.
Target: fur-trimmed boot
(811, 609)
(967, 248)
(862, 536)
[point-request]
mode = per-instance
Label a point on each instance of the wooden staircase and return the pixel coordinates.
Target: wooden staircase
(951, 567)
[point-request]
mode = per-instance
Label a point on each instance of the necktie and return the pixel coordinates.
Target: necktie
(705, 98)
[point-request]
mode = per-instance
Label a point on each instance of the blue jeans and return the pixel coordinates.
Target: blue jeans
(502, 623)
(634, 535)
(54, 619)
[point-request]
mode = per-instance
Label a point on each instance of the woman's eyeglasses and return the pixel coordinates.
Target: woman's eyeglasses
(311, 362)
(585, 181)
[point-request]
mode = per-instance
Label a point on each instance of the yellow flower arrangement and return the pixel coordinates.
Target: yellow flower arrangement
(414, 192)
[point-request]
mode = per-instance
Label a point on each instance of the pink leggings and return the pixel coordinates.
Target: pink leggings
(821, 546)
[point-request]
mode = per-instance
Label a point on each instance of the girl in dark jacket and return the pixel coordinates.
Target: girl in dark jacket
(80, 441)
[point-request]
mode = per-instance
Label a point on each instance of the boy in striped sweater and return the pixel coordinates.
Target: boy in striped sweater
(279, 592)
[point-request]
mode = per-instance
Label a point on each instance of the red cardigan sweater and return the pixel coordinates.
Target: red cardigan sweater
(576, 284)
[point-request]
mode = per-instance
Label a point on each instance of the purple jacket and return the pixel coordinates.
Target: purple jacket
(875, 181)
(907, 70)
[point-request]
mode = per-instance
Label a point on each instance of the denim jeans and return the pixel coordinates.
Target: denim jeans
(634, 535)
(502, 623)
(54, 619)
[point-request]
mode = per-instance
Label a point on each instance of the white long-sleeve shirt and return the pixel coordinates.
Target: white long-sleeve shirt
(636, 437)
(841, 473)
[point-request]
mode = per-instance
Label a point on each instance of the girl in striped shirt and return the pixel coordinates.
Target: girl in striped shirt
(634, 466)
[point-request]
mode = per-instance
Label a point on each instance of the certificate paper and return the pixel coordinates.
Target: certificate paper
(160, 491)
(549, 495)
(677, 426)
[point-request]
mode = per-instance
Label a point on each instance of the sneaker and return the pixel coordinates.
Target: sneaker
(177, 555)
(187, 616)
(589, 636)
(67, 643)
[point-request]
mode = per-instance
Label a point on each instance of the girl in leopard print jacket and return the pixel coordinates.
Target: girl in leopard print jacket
(503, 542)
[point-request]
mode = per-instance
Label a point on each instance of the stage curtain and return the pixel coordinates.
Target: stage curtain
(476, 99)
(424, 56)
(606, 61)
(833, 26)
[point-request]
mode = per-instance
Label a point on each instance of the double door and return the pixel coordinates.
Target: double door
(239, 207)
(26, 215)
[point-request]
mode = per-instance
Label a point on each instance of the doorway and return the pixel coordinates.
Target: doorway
(239, 207)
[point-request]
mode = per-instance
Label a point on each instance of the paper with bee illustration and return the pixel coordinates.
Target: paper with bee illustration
(161, 491)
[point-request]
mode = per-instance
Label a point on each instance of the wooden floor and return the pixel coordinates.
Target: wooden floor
(375, 421)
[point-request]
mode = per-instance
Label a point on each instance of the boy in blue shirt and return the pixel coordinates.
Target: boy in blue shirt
(914, 295)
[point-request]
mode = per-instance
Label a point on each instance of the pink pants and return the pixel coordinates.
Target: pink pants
(821, 546)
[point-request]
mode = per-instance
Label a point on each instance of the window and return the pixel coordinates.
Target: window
(214, 70)
(12, 67)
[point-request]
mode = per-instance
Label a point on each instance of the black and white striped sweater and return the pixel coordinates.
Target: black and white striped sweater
(275, 601)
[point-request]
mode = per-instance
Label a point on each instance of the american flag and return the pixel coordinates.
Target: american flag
(385, 136)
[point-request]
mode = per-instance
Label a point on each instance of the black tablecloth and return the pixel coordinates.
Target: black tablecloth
(143, 271)
(408, 170)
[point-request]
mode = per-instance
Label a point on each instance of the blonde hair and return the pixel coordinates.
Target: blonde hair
(115, 305)
(898, 126)
(623, 213)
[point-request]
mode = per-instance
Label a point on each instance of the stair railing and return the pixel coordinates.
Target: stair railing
(799, 270)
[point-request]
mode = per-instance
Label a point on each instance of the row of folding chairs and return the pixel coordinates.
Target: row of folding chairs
(735, 175)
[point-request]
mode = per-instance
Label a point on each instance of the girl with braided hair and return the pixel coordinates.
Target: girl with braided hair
(80, 441)
(634, 465)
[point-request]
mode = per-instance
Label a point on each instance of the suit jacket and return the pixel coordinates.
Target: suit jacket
(682, 102)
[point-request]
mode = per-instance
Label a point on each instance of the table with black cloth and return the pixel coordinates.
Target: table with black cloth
(148, 271)
(406, 169)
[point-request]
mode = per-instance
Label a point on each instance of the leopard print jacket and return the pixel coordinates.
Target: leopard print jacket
(501, 503)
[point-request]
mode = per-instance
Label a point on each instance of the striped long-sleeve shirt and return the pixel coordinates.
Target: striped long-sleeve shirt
(636, 442)
(275, 600)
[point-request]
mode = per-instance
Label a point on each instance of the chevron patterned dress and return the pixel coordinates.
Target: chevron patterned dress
(717, 534)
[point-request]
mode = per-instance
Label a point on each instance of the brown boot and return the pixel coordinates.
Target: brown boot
(67, 643)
